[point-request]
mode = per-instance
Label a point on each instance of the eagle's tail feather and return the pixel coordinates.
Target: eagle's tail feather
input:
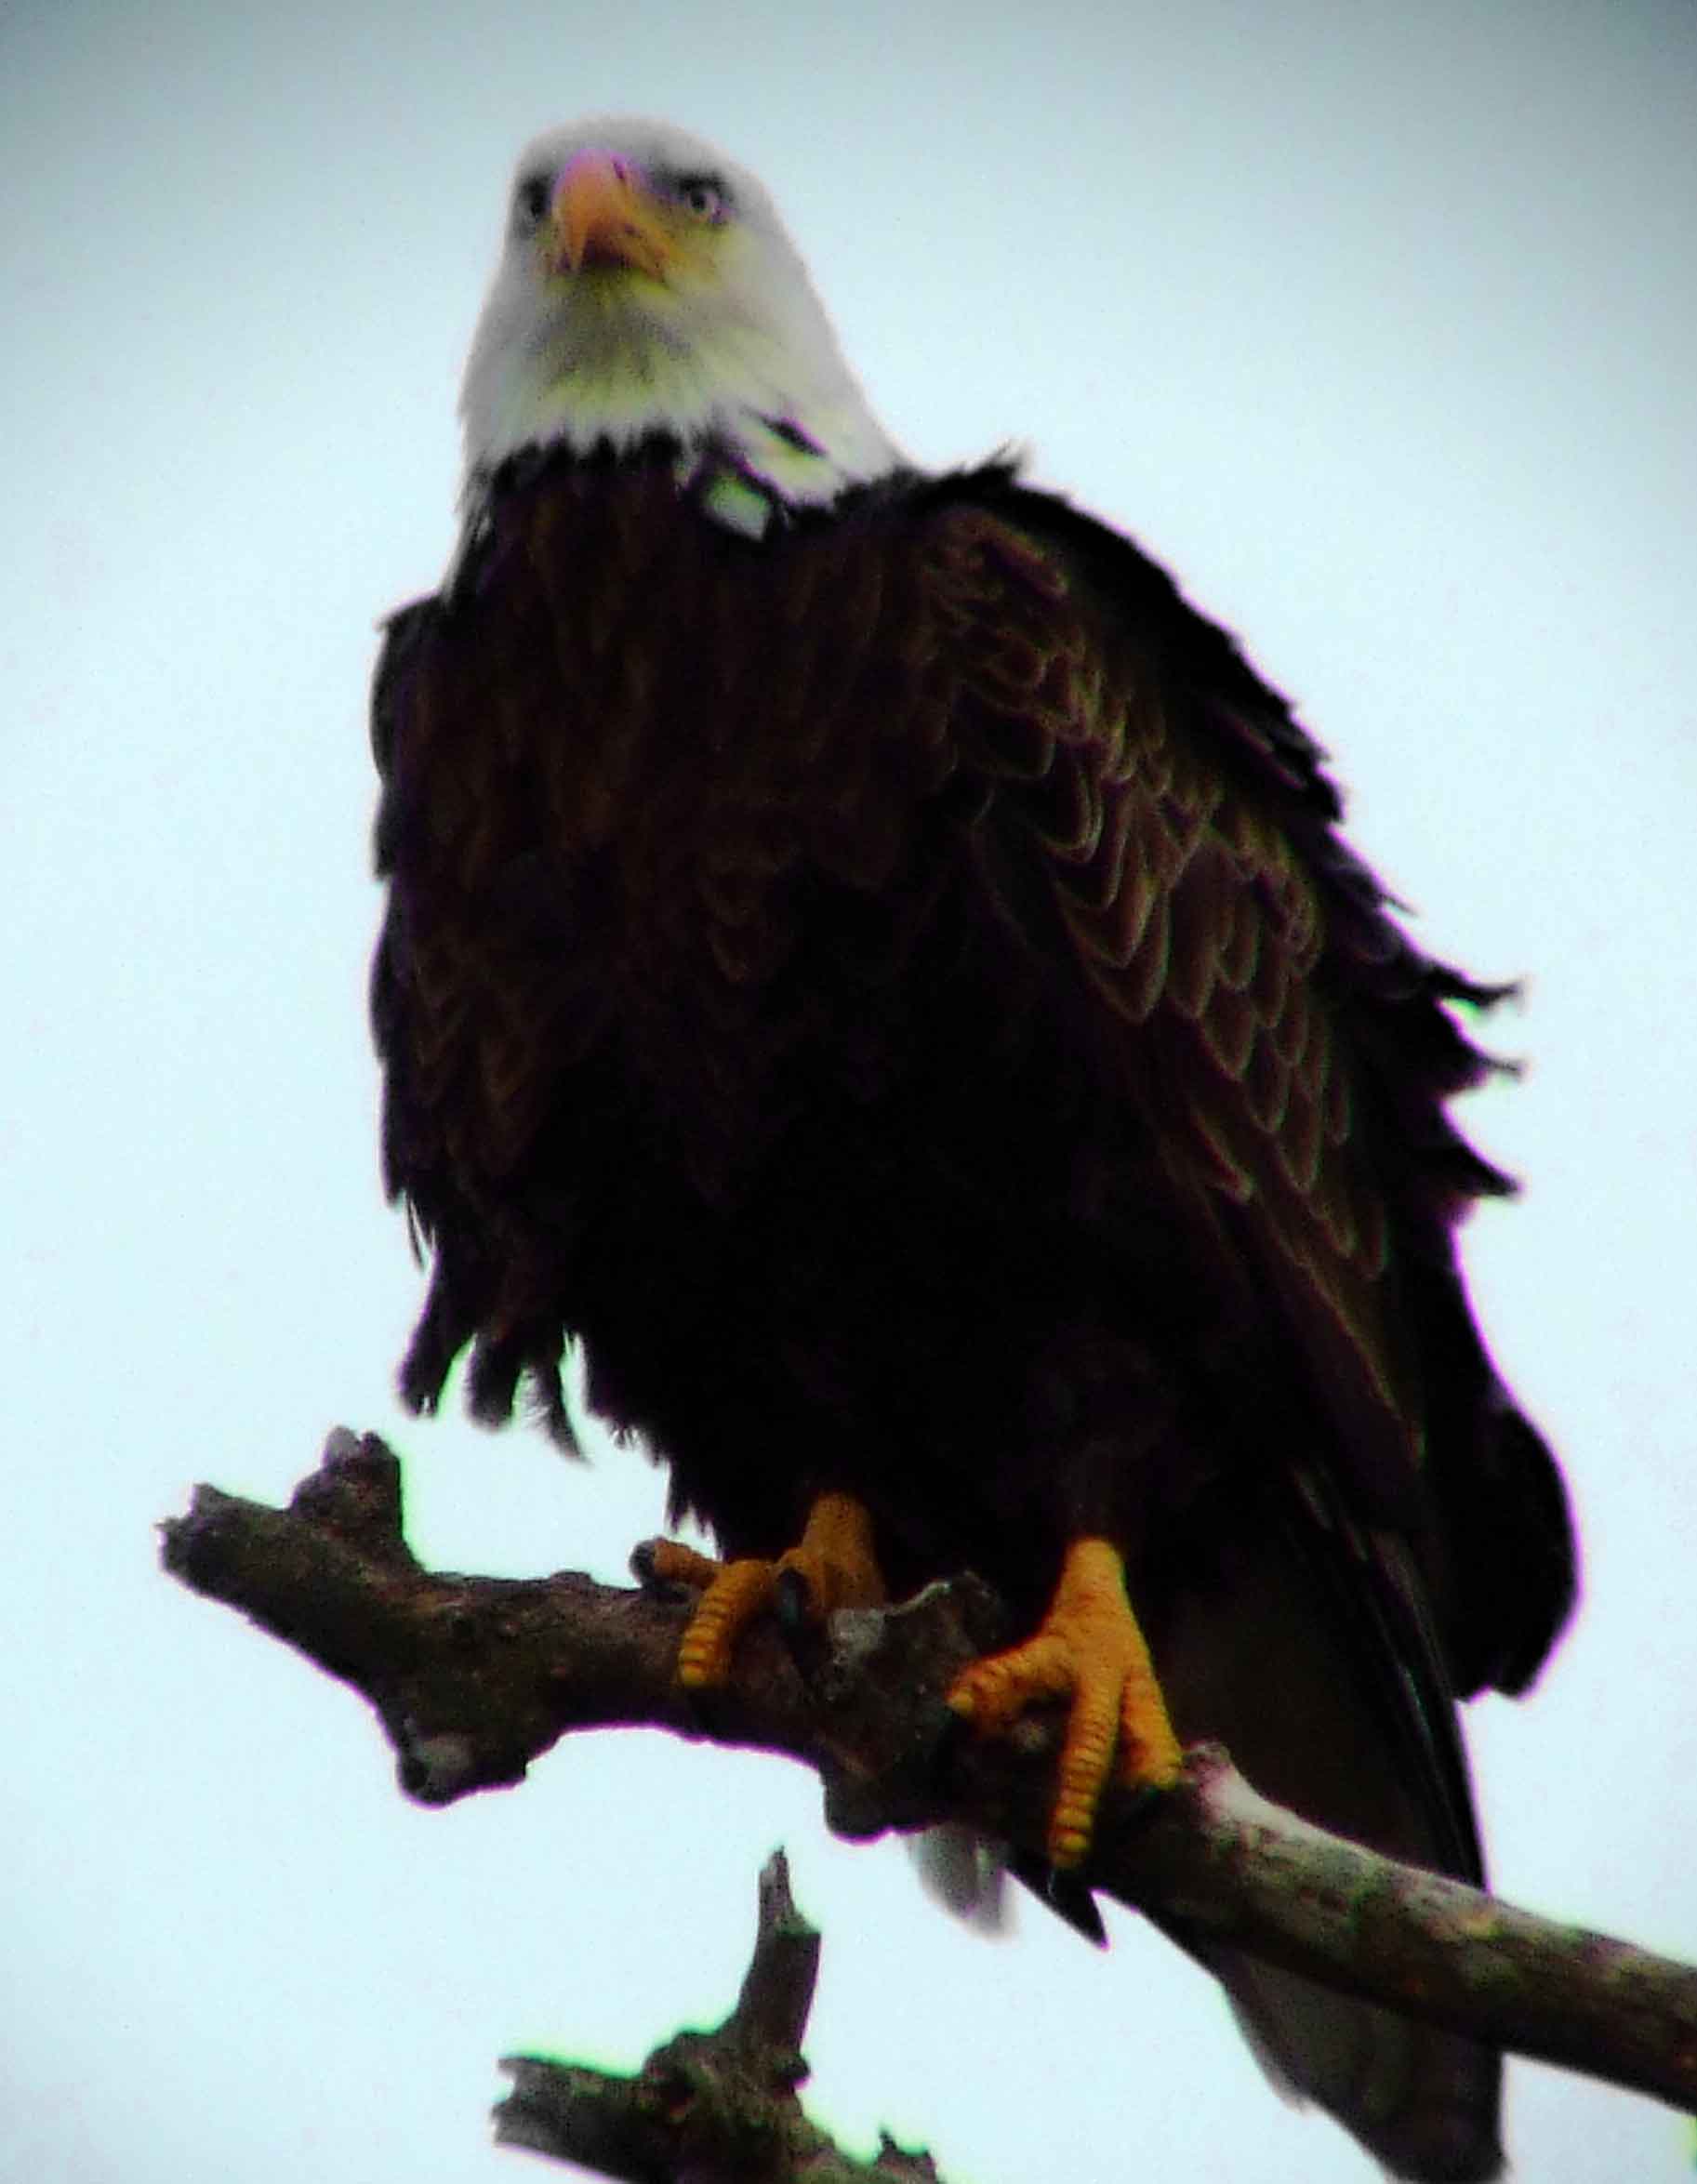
(1328, 1686)
(1423, 2101)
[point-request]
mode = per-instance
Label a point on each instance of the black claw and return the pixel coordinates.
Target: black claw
(643, 1571)
(1146, 1798)
(1064, 1893)
(792, 1603)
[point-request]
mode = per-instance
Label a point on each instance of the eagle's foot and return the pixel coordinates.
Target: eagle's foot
(1088, 1647)
(830, 1567)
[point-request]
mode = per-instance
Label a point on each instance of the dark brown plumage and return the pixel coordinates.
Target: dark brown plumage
(894, 990)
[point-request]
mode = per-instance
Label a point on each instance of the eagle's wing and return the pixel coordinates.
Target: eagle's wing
(1158, 830)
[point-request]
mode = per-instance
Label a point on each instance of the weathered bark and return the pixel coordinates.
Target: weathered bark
(720, 2107)
(475, 1677)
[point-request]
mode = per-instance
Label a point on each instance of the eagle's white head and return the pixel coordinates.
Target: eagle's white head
(646, 284)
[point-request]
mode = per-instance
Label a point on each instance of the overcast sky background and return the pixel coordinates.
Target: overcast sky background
(1377, 324)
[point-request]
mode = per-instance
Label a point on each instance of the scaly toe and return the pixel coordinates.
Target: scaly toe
(658, 1564)
(738, 1594)
(1089, 1649)
(994, 1693)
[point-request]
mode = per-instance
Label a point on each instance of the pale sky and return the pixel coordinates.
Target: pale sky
(1376, 325)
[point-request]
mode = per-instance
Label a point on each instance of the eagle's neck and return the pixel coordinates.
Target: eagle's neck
(736, 456)
(741, 464)
(772, 404)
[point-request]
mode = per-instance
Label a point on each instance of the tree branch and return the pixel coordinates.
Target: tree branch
(475, 1677)
(719, 2107)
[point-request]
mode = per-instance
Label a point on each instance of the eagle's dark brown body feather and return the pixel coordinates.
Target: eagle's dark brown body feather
(893, 989)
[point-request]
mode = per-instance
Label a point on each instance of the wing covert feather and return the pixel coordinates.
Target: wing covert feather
(1184, 902)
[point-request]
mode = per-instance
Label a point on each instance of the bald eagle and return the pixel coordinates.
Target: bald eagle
(868, 961)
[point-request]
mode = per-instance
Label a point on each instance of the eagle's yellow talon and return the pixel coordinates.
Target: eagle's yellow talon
(1150, 1756)
(736, 1594)
(1088, 1649)
(1069, 1838)
(669, 1562)
(833, 1558)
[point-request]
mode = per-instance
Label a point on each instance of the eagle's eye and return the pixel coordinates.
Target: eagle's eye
(702, 198)
(530, 200)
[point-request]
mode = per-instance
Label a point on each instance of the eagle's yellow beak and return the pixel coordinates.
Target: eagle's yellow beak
(603, 214)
